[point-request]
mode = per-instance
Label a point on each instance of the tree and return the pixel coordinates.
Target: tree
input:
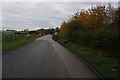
(63, 29)
(91, 28)
(26, 30)
(57, 29)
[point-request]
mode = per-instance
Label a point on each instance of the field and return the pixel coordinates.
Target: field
(12, 41)
(102, 64)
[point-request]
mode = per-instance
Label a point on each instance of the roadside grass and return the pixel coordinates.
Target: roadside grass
(8, 45)
(102, 64)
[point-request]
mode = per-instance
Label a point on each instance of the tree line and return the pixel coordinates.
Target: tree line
(96, 28)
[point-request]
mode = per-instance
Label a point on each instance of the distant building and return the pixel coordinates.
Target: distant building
(39, 31)
(8, 32)
(21, 32)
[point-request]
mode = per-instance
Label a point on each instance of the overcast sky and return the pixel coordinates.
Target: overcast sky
(36, 15)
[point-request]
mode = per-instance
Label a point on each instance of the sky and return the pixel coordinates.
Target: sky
(36, 14)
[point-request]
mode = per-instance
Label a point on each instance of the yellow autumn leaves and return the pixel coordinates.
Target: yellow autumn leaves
(95, 27)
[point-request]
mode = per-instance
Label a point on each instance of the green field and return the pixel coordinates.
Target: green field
(12, 41)
(102, 64)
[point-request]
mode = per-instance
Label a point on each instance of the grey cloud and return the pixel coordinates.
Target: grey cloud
(34, 15)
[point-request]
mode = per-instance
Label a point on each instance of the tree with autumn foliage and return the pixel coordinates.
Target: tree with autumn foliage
(95, 27)
(64, 29)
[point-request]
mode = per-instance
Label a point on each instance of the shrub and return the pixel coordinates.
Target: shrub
(92, 28)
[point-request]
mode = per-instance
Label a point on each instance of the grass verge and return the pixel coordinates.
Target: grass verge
(102, 64)
(9, 45)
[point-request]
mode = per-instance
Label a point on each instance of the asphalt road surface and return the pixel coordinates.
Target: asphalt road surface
(43, 58)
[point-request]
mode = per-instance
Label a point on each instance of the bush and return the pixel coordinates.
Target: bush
(92, 28)
(56, 37)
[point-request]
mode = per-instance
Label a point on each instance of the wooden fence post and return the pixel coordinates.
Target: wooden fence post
(11, 37)
(6, 37)
(15, 36)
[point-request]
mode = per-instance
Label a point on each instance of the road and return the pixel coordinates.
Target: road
(44, 58)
